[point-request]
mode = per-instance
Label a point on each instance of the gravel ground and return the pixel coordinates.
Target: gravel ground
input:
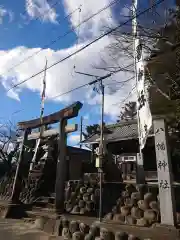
(20, 230)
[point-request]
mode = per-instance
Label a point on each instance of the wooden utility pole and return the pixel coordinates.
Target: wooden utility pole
(101, 146)
(81, 131)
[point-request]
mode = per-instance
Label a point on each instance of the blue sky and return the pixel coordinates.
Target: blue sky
(18, 28)
(19, 32)
(26, 26)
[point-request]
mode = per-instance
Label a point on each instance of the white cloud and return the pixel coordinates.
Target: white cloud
(89, 7)
(74, 138)
(14, 95)
(5, 13)
(86, 117)
(126, 11)
(113, 103)
(62, 78)
(41, 9)
(11, 16)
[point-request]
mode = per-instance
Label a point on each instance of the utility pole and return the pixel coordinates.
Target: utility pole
(101, 143)
(81, 127)
(101, 148)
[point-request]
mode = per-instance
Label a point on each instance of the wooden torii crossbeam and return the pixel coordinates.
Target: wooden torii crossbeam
(66, 113)
(61, 116)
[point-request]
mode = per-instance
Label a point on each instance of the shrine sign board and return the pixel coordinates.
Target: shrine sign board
(164, 170)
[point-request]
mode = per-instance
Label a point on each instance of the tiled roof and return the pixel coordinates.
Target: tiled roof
(120, 131)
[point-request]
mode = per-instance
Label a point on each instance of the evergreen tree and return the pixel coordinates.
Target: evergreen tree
(90, 130)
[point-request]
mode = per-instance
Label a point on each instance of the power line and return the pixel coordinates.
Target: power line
(81, 86)
(117, 82)
(59, 22)
(78, 34)
(61, 36)
(87, 45)
(12, 114)
(45, 46)
(91, 83)
(40, 15)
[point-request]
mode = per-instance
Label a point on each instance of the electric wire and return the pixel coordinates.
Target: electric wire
(61, 36)
(86, 46)
(37, 18)
(87, 84)
(77, 42)
(44, 46)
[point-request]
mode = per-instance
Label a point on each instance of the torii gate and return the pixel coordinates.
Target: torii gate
(61, 116)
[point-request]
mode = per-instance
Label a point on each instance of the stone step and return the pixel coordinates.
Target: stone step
(41, 212)
(45, 202)
(50, 205)
(40, 209)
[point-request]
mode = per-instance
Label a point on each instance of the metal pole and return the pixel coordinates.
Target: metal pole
(81, 131)
(101, 151)
(102, 117)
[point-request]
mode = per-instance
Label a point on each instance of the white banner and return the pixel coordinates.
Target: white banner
(143, 108)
